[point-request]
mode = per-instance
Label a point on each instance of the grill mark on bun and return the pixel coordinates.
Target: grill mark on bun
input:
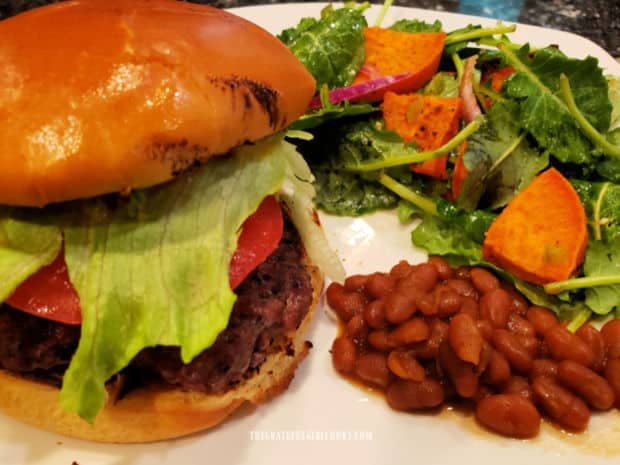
(265, 96)
(180, 155)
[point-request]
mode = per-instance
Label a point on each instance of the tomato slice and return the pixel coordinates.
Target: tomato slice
(49, 294)
(260, 235)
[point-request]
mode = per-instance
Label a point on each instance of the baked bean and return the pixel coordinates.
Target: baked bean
(611, 335)
(483, 280)
(530, 343)
(444, 269)
(498, 369)
(344, 354)
(519, 386)
(374, 314)
(593, 337)
(404, 365)
(564, 407)
(495, 307)
(438, 333)
(448, 301)
(544, 367)
(400, 270)
(510, 415)
(356, 282)
(462, 272)
(485, 357)
(612, 375)
(509, 345)
(410, 332)
(543, 350)
(411, 395)
(398, 307)
(380, 339)
(372, 367)
(482, 393)
(519, 325)
(357, 329)
(593, 388)
(345, 303)
(425, 277)
(379, 285)
(486, 329)
(565, 345)
(463, 287)
(462, 374)
(465, 338)
(542, 319)
(413, 285)
(427, 304)
(518, 304)
(469, 305)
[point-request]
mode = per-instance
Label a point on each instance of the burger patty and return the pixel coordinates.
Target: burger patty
(273, 300)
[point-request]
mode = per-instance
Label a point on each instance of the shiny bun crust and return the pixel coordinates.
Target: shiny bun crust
(153, 414)
(101, 96)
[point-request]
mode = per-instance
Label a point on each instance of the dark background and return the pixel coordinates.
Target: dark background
(598, 20)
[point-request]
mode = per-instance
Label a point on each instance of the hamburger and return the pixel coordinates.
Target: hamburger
(159, 253)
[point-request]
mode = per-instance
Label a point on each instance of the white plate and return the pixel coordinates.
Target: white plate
(322, 418)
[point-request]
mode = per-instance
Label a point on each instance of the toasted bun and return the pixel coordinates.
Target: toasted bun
(101, 96)
(157, 413)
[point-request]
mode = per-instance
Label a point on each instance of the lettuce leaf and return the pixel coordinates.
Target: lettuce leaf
(159, 277)
(438, 237)
(25, 246)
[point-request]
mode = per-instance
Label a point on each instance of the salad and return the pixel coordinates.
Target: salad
(505, 155)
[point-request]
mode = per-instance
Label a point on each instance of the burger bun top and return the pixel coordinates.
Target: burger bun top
(100, 96)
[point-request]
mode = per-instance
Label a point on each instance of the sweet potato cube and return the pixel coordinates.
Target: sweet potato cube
(541, 235)
(428, 120)
(390, 52)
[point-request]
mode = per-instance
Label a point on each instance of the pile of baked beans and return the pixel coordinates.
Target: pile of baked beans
(428, 334)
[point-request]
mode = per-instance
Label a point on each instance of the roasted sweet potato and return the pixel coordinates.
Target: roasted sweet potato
(428, 120)
(541, 235)
(390, 52)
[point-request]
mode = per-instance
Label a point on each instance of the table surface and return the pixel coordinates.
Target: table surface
(598, 20)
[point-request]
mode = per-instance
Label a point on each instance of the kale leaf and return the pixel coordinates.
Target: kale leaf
(321, 116)
(416, 25)
(602, 259)
(331, 48)
(501, 162)
(536, 85)
(602, 205)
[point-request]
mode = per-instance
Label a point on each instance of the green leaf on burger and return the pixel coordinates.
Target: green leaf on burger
(27, 243)
(162, 280)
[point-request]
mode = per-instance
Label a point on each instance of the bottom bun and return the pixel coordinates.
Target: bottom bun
(155, 413)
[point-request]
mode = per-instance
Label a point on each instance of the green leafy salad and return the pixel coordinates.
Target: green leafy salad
(526, 110)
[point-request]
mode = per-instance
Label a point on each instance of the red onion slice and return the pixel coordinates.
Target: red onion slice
(466, 91)
(357, 92)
